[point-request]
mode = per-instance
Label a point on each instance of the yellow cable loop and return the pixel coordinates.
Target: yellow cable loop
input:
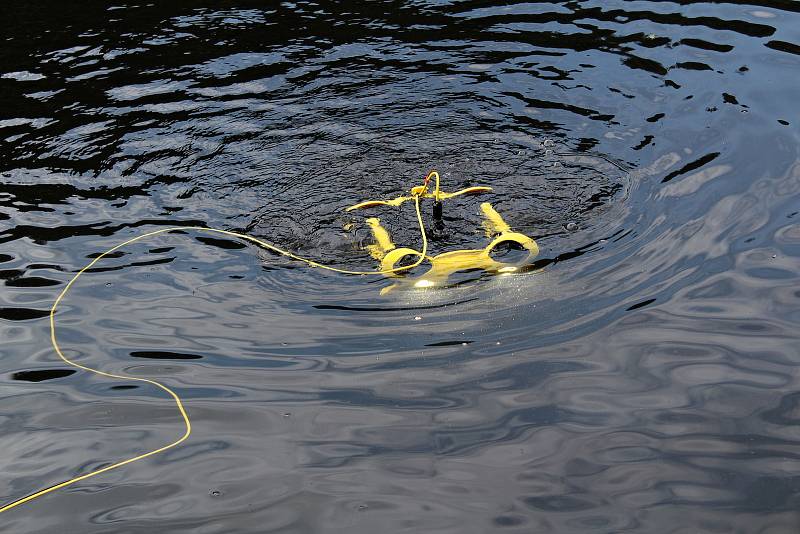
(436, 192)
(178, 402)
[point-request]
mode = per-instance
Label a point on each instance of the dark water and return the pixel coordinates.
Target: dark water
(646, 380)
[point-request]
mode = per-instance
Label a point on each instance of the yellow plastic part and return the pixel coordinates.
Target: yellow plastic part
(493, 222)
(448, 263)
(383, 242)
(372, 203)
(392, 258)
(468, 191)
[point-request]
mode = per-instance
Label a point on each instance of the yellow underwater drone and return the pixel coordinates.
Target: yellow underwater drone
(448, 263)
(390, 257)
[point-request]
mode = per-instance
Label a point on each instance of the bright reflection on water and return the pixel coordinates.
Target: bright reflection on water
(643, 379)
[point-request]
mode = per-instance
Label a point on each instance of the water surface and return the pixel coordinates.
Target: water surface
(645, 380)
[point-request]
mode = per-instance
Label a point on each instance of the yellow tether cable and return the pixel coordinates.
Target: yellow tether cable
(172, 393)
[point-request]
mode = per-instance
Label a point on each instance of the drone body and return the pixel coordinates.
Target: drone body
(443, 266)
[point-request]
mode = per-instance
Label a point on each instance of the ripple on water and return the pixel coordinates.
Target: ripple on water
(641, 379)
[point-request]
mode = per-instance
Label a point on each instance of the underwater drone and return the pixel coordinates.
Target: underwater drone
(393, 264)
(448, 263)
